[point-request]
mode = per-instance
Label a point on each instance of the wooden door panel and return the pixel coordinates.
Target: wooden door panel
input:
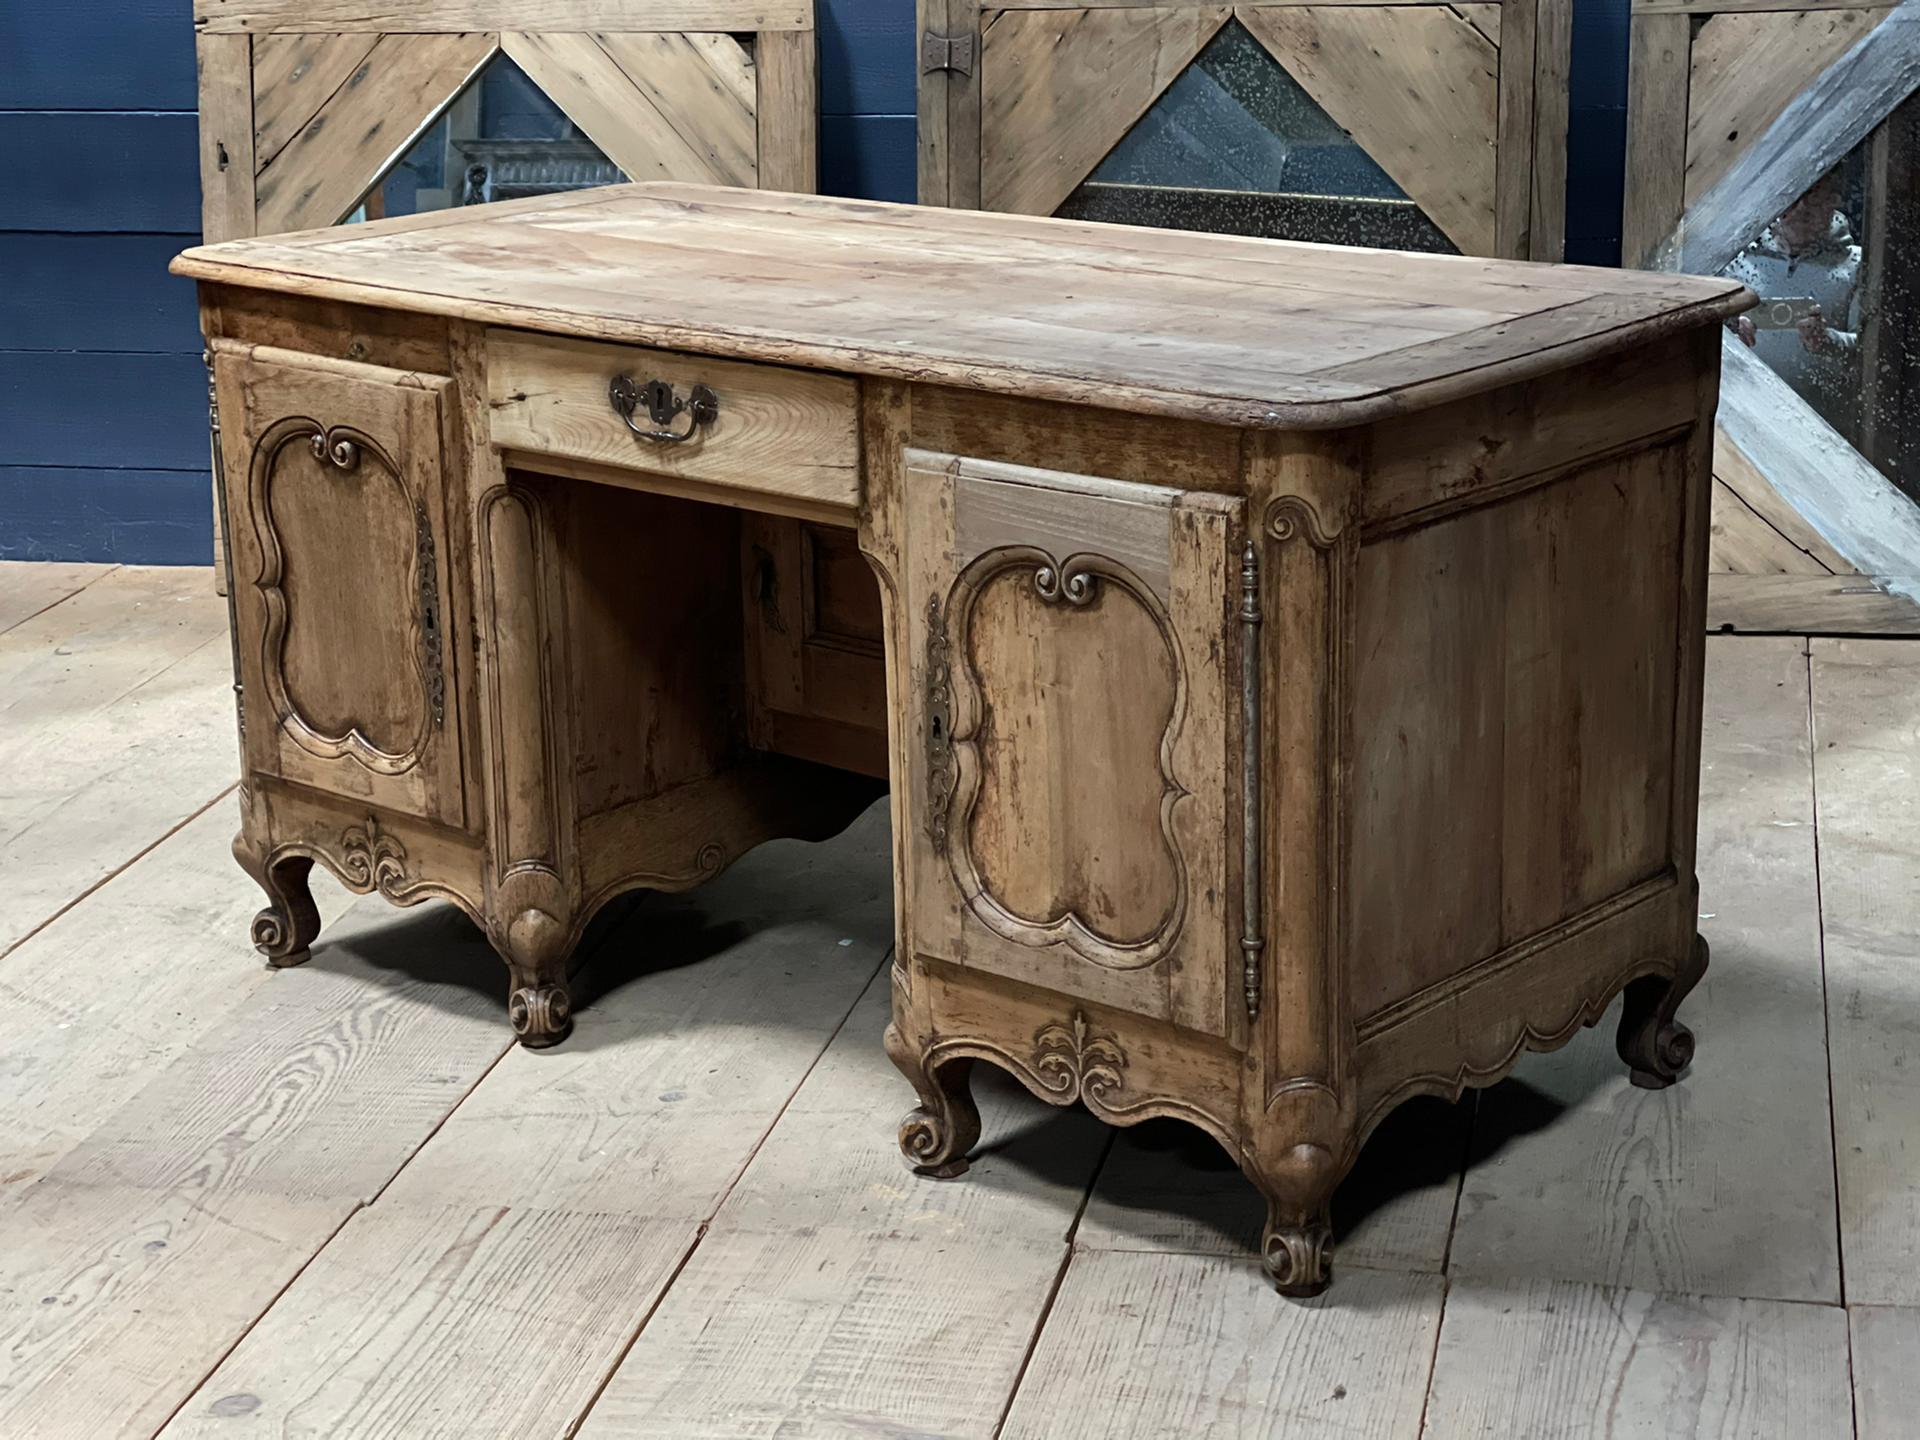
(1417, 86)
(336, 493)
(1058, 88)
(1072, 822)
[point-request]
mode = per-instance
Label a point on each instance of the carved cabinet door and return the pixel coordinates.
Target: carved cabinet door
(1074, 726)
(337, 508)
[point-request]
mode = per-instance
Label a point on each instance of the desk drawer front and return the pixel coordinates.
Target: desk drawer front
(1075, 725)
(789, 435)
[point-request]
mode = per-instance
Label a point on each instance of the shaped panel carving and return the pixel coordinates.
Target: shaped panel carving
(1066, 790)
(351, 650)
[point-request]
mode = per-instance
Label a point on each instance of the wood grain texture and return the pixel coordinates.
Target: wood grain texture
(662, 107)
(1417, 87)
(1733, 468)
(1745, 544)
(1814, 604)
(1659, 47)
(448, 1321)
(1103, 316)
(1886, 1370)
(322, 1084)
(1552, 86)
(787, 110)
(784, 432)
(1545, 1358)
(1866, 695)
(831, 1331)
(29, 587)
(1831, 114)
(164, 937)
(1203, 1349)
(1058, 90)
(114, 1302)
(293, 76)
(441, 16)
(727, 1039)
(1697, 1188)
(1169, 1189)
(227, 164)
(832, 1161)
(323, 170)
(1746, 69)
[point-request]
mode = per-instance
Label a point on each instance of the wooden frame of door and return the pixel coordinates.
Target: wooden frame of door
(1735, 108)
(1074, 75)
(306, 104)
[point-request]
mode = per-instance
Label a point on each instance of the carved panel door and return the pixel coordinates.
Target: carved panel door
(1072, 821)
(335, 492)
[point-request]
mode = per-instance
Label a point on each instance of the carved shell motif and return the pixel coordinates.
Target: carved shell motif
(1074, 1062)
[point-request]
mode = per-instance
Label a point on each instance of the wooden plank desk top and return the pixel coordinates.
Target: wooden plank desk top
(1231, 330)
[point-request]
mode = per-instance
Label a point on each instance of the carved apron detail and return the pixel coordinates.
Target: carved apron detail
(1076, 1063)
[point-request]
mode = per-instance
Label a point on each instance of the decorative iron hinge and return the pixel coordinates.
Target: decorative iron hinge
(939, 732)
(946, 52)
(432, 662)
(1253, 942)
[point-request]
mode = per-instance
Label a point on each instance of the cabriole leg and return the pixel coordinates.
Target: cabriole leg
(1297, 1245)
(937, 1136)
(1655, 1045)
(539, 1002)
(284, 932)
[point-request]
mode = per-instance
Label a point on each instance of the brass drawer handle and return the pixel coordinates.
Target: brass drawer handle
(701, 407)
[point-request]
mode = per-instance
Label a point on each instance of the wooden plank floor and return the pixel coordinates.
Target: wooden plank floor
(335, 1202)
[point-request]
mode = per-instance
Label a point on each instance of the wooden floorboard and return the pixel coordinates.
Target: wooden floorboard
(29, 586)
(335, 1201)
(1866, 723)
(833, 1331)
(1886, 1371)
(455, 1322)
(113, 992)
(1155, 1345)
(1555, 1358)
(1723, 1183)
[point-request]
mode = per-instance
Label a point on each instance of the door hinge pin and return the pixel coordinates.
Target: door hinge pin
(946, 52)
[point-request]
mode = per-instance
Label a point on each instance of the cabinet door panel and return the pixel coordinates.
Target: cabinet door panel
(336, 497)
(1074, 638)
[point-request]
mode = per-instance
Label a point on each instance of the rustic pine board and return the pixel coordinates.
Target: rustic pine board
(704, 1015)
(1170, 1188)
(323, 1083)
(833, 1159)
(1160, 1345)
(443, 1322)
(1866, 731)
(835, 1331)
(1722, 1184)
(115, 1301)
(122, 985)
(1886, 1370)
(1538, 1357)
(29, 586)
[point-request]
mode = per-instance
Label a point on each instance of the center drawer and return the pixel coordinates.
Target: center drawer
(782, 435)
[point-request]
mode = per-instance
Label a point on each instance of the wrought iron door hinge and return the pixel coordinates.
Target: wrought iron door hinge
(1253, 941)
(946, 52)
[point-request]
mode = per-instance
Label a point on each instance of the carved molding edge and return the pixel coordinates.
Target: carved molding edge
(1253, 942)
(939, 727)
(1075, 582)
(343, 447)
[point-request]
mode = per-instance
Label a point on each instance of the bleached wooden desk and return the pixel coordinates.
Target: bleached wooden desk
(1287, 661)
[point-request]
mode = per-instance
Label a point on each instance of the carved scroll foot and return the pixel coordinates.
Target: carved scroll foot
(1297, 1245)
(539, 1004)
(541, 1015)
(1655, 1045)
(287, 928)
(936, 1137)
(1298, 1253)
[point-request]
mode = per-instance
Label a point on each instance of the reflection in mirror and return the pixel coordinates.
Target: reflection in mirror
(1236, 146)
(500, 139)
(1839, 318)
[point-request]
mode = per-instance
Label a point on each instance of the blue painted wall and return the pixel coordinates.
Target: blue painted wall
(102, 422)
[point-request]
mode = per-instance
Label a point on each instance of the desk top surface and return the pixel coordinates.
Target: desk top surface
(1239, 331)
